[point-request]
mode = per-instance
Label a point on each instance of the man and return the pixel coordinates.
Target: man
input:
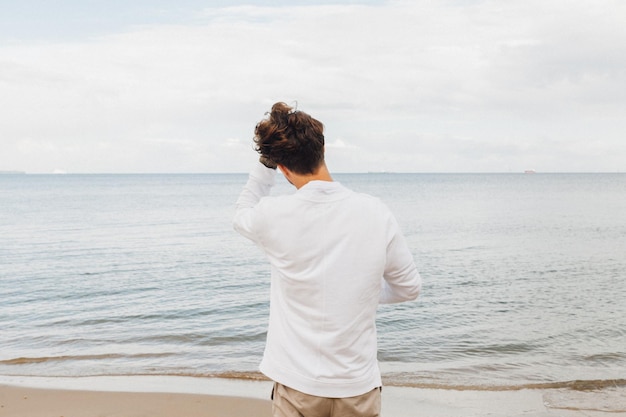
(334, 255)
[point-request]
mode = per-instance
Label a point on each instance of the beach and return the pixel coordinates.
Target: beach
(217, 397)
(31, 402)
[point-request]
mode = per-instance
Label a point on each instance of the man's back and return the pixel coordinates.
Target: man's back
(329, 249)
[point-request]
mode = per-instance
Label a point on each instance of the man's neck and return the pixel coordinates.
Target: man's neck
(300, 180)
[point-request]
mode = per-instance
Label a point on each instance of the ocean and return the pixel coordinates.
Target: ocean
(524, 279)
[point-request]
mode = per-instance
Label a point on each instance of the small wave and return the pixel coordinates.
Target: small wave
(510, 348)
(609, 400)
(28, 361)
(228, 340)
(603, 358)
(254, 375)
(467, 248)
(576, 385)
(244, 375)
(586, 386)
(582, 386)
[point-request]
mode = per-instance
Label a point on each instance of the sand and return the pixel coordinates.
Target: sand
(19, 401)
(209, 397)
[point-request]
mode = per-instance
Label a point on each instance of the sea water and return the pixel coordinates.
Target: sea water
(524, 278)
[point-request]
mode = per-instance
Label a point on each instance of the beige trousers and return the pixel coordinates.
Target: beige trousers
(288, 402)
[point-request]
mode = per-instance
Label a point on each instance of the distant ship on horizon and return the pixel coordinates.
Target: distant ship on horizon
(530, 171)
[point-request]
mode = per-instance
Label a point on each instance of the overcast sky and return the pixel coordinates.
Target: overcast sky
(406, 86)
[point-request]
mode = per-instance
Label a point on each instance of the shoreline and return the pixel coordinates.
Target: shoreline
(165, 396)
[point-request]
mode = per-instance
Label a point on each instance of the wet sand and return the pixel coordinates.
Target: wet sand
(213, 397)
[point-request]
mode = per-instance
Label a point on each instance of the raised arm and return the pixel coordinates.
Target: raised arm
(260, 182)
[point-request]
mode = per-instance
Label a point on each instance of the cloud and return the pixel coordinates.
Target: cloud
(402, 86)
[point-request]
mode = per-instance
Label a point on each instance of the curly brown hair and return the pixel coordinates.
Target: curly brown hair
(291, 138)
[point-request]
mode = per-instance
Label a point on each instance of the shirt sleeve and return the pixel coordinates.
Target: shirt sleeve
(260, 182)
(401, 280)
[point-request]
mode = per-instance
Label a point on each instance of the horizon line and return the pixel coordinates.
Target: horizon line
(19, 173)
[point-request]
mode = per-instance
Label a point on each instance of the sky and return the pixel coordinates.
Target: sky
(118, 86)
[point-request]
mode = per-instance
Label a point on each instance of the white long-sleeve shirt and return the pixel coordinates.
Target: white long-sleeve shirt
(334, 255)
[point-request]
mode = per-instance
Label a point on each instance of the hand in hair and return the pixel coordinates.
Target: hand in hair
(267, 162)
(290, 138)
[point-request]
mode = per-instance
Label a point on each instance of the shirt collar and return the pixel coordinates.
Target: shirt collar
(323, 190)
